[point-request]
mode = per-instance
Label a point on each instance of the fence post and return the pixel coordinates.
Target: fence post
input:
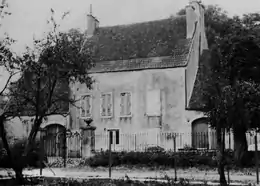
(256, 159)
(174, 148)
(110, 157)
(229, 136)
(81, 146)
(65, 148)
(135, 142)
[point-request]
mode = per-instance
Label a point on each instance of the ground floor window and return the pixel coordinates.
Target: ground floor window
(114, 137)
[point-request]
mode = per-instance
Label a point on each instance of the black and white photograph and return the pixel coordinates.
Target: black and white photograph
(129, 92)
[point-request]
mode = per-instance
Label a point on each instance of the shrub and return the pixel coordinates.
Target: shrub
(155, 149)
(150, 158)
(17, 149)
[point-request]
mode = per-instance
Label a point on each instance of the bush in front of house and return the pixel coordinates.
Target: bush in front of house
(151, 159)
(17, 149)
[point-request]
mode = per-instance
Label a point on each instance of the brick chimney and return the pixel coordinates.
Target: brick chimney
(194, 13)
(92, 23)
(195, 21)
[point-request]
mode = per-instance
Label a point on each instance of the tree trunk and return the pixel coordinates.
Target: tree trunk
(221, 158)
(240, 147)
(4, 140)
(15, 165)
(32, 136)
(19, 177)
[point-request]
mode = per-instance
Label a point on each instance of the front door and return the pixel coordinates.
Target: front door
(200, 133)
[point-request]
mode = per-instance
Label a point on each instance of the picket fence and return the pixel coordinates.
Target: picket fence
(141, 141)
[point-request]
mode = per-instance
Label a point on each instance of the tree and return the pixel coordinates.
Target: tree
(231, 80)
(237, 39)
(232, 86)
(47, 70)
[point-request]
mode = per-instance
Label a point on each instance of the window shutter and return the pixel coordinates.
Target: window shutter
(117, 137)
(111, 137)
(109, 105)
(125, 104)
(122, 104)
(103, 108)
(128, 105)
(88, 106)
(83, 113)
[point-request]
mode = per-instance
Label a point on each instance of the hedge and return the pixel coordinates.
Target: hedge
(154, 158)
(151, 159)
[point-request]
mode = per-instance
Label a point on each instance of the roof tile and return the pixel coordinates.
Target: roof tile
(177, 60)
(115, 46)
(197, 101)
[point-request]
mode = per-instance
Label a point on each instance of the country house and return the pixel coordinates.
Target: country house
(148, 79)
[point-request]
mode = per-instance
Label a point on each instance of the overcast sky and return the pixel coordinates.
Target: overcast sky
(29, 16)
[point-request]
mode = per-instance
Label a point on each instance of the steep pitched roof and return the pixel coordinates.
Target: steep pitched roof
(197, 101)
(115, 46)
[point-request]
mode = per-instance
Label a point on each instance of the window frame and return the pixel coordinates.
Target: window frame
(112, 104)
(119, 136)
(131, 105)
(91, 106)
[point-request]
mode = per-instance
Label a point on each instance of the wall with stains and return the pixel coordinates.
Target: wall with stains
(170, 82)
(20, 127)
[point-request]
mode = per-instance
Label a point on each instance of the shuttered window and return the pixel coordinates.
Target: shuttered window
(125, 104)
(106, 105)
(86, 106)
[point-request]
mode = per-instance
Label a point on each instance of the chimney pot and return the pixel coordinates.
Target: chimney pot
(194, 13)
(92, 23)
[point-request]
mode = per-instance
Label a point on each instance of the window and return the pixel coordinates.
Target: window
(125, 104)
(114, 137)
(106, 105)
(86, 106)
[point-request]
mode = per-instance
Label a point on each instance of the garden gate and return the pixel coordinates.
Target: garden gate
(60, 144)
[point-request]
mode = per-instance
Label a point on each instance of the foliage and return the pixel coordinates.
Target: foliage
(102, 182)
(46, 72)
(232, 90)
(155, 149)
(70, 162)
(152, 159)
(17, 149)
(184, 159)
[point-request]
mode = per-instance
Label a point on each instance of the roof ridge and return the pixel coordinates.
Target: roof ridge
(144, 22)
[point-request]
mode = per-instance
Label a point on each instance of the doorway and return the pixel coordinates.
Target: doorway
(55, 140)
(200, 133)
(114, 138)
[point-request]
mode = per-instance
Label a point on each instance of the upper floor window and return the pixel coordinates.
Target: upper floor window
(86, 106)
(106, 105)
(125, 104)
